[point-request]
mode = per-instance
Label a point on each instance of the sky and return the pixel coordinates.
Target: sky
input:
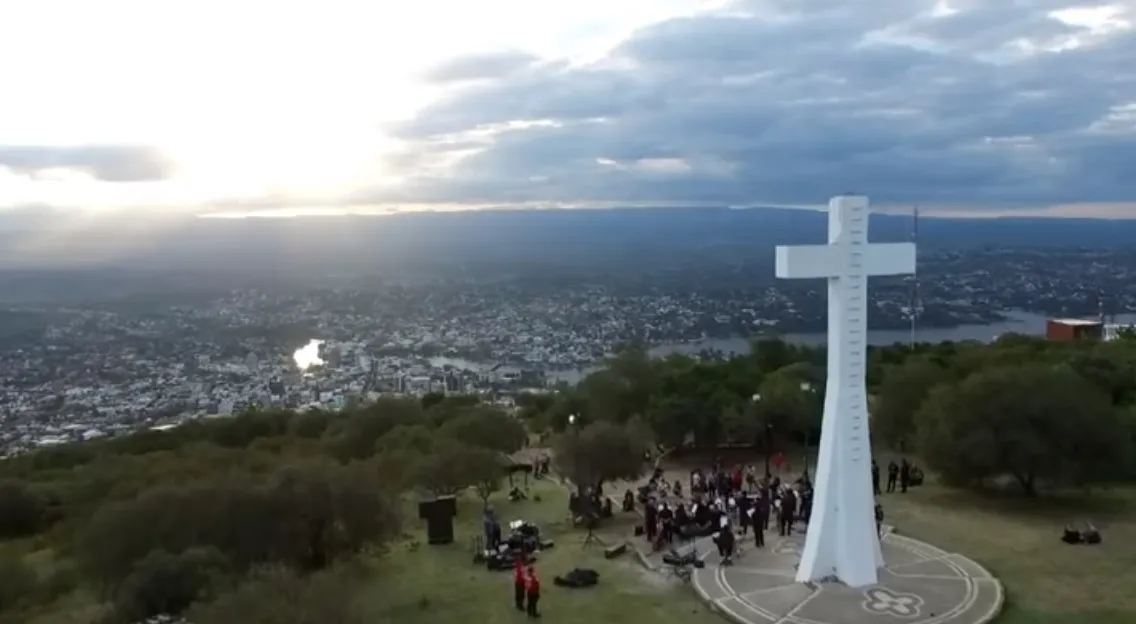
(974, 106)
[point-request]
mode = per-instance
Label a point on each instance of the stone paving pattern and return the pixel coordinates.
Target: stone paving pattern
(919, 584)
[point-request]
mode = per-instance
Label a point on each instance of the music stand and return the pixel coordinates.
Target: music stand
(590, 521)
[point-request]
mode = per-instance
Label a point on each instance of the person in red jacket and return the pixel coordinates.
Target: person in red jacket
(532, 589)
(520, 583)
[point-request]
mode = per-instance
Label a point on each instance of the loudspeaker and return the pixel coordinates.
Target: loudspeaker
(440, 530)
(447, 505)
(439, 516)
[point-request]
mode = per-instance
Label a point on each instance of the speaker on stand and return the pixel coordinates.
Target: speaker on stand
(439, 516)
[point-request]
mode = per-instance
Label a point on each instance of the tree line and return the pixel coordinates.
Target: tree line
(197, 517)
(229, 518)
(1038, 413)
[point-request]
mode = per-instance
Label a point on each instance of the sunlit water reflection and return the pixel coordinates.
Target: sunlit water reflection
(308, 355)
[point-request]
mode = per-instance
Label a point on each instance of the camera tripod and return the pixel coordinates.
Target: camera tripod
(590, 538)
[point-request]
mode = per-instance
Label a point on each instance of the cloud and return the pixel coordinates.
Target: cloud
(107, 163)
(985, 102)
(480, 66)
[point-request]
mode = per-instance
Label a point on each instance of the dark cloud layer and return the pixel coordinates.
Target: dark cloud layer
(793, 100)
(109, 163)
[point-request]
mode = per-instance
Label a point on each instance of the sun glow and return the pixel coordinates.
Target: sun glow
(258, 98)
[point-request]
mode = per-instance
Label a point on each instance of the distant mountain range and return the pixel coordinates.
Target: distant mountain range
(501, 235)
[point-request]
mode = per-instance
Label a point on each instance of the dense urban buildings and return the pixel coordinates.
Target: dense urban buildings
(107, 364)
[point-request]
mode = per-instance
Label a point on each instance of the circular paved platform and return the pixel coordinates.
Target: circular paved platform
(920, 584)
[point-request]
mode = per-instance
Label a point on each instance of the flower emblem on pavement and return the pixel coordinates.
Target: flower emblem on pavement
(883, 601)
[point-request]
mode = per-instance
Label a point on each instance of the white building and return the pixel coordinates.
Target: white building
(1112, 330)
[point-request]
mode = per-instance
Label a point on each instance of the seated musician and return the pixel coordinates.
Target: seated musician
(1071, 535)
(681, 515)
(916, 476)
(1091, 535)
(702, 514)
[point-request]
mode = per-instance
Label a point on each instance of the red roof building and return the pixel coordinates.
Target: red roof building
(1068, 330)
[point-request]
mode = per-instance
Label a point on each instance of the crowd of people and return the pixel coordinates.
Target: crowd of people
(901, 476)
(729, 504)
(721, 502)
(726, 504)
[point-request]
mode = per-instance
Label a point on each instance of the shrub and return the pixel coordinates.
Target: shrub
(22, 511)
(166, 584)
(18, 582)
(281, 596)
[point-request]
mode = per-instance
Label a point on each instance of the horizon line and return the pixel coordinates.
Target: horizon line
(905, 211)
(1085, 212)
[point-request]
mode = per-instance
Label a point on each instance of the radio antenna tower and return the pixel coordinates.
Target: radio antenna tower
(913, 293)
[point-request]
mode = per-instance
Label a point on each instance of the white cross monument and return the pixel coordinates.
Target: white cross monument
(841, 540)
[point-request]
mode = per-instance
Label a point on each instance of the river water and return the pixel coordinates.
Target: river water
(1019, 322)
(308, 355)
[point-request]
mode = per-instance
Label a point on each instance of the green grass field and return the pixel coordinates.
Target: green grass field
(1046, 581)
(417, 583)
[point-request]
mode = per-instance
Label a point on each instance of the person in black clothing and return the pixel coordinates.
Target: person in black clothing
(788, 513)
(904, 475)
(893, 474)
(806, 505)
(666, 517)
(651, 520)
(702, 515)
(744, 505)
(767, 493)
(875, 478)
(760, 520)
(725, 543)
(879, 520)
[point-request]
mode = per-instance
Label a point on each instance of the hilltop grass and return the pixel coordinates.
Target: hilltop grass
(1046, 581)
(418, 583)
